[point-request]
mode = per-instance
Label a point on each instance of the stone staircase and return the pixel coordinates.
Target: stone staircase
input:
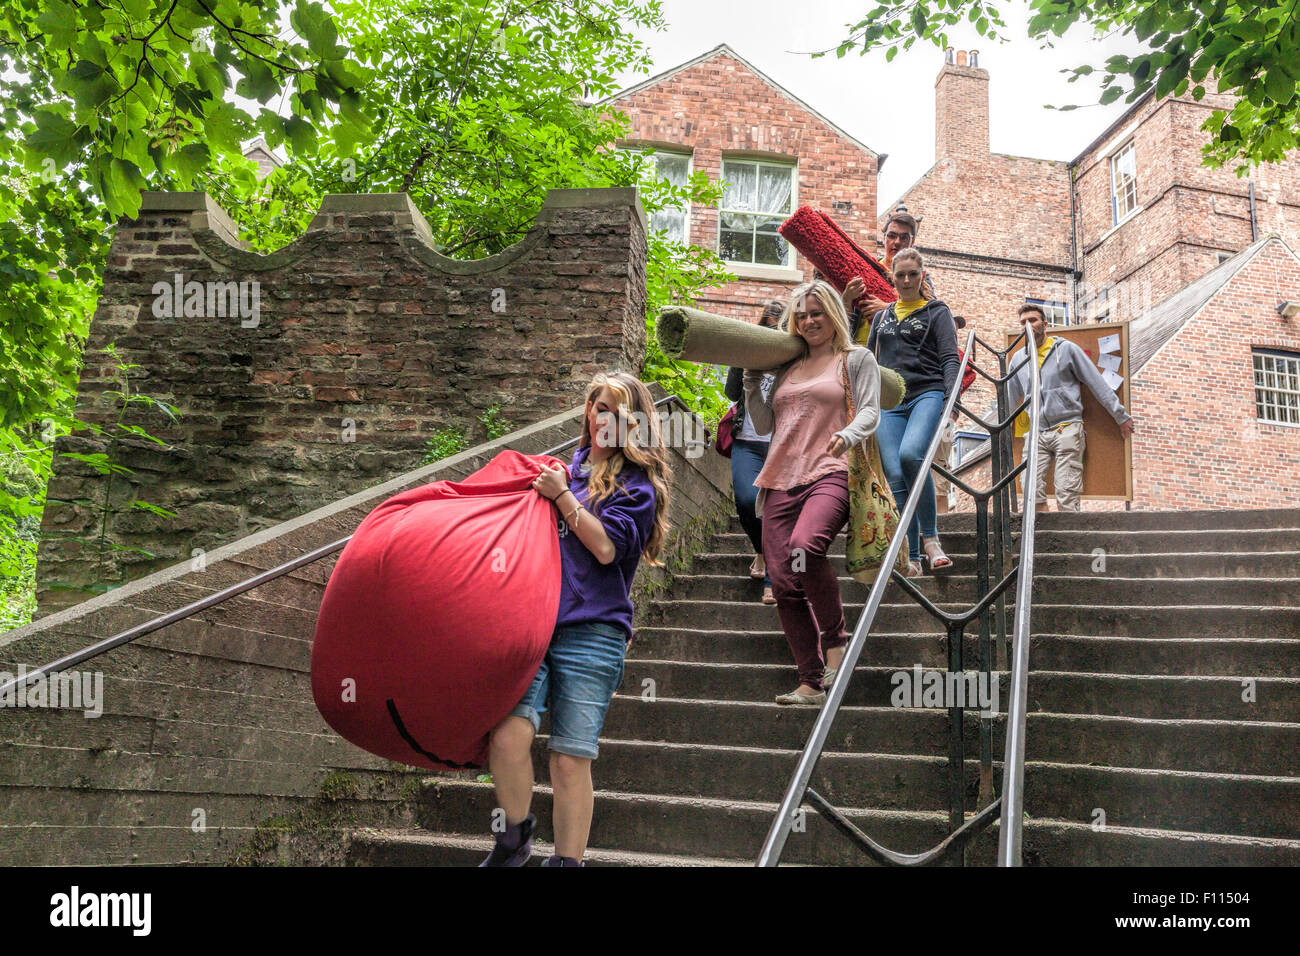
(1164, 723)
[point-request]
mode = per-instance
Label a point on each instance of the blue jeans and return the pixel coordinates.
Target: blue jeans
(747, 459)
(905, 434)
(582, 669)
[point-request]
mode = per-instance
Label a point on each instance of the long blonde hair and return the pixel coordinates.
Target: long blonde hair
(634, 406)
(831, 305)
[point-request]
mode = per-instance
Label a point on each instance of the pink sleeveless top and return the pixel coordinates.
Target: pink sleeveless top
(807, 415)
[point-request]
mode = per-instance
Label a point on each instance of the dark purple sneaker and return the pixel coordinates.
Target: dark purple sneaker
(515, 846)
(561, 861)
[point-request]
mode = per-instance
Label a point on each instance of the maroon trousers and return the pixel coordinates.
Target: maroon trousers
(798, 528)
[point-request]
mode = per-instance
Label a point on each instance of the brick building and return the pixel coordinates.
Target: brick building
(1133, 229)
(720, 114)
(1215, 389)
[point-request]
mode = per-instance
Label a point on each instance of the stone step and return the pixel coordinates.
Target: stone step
(705, 828)
(1212, 746)
(1245, 564)
(689, 825)
(1187, 656)
(1064, 843)
(770, 647)
(1227, 803)
(1098, 589)
(1256, 748)
(411, 847)
(1242, 805)
(1204, 698)
(1263, 518)
(1158, 621)
(1113, 542)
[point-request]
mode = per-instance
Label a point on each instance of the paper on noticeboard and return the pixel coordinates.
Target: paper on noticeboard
(1109, 343)
(1109, 363)
(1113, 380)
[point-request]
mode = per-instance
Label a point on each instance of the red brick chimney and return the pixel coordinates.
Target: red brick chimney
(961, 107)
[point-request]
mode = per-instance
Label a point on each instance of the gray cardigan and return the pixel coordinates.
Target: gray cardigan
(1066, 366)
(864, 380)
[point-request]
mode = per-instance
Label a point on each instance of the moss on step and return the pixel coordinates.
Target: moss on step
(315, 833)
(688, 540)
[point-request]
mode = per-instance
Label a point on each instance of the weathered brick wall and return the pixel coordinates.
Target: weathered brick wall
(720, 107)
(1199, 443)
(1189, 213)
(961, 111)
(994, 228)
(366, 342)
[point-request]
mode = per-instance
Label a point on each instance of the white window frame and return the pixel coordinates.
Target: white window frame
(1277, 386)
(1052, 309)
(1123, 195)
(793, 169)
(682, 213)
(1100, 306)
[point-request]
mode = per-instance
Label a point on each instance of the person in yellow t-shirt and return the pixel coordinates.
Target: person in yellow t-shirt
(1063, 367)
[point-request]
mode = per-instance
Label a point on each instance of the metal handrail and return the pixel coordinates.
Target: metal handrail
(220, 597)
(1000, 490)
(1013, 765)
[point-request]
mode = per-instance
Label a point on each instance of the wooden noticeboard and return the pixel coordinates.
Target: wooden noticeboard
(1108, 455)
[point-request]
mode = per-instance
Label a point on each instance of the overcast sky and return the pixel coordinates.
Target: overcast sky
(861, 94)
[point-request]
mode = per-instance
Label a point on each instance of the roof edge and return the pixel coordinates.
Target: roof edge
(725, 48)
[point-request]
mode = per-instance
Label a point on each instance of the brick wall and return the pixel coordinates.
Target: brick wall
(1199, 443)
(366, 342)
(1189, 213)
(961, 111)
(720, 107)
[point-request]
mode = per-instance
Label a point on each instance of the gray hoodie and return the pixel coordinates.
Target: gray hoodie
(1064, 368)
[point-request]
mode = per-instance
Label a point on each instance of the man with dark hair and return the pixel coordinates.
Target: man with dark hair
(1063, 366)
(900, 233)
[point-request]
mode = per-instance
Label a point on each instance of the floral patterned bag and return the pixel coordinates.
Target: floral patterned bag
(873, 514)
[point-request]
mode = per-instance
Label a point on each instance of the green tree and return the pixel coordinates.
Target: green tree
(1247, 50)
(474, 107)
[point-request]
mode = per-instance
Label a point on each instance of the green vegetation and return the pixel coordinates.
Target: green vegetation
(1247, 47)
(475, 115)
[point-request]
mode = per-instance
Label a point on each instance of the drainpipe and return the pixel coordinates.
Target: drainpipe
(1074, 253)
(1254, 223)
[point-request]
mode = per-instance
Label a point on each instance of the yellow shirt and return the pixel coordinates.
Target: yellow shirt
(901, 309)
(1022, 420)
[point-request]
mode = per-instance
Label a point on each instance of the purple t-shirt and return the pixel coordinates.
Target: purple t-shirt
(591, 592)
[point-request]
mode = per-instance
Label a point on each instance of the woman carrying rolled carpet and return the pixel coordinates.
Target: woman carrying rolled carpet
(748, 453)
(917, 338)
(803, 495)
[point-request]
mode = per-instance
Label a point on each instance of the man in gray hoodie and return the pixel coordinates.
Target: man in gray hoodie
(1062, 367)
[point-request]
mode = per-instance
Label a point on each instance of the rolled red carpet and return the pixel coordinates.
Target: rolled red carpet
(836, 255)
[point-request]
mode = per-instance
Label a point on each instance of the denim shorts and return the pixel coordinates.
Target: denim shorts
(582, 669)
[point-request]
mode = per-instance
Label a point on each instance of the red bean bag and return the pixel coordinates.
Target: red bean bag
(837, 256)
(438, 614)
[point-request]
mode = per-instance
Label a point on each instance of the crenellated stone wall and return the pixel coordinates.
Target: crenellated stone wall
(320, 369)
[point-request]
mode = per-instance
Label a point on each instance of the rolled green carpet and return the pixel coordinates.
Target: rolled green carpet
(708, 339)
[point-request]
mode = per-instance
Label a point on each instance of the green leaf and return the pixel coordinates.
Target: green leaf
(1281, 88)
(918, 20)
(1110, 95)
(189, 161)
(301, 136)
(891, 53)
(53, 137)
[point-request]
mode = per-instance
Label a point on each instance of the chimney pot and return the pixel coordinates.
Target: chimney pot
(961, 57)
(974, 57)
(949, 55)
